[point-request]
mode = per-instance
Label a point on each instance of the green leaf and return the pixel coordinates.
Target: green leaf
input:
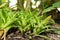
(3, 5)
(54, 6)
(48, 9)
(46, 19)
(2, 15)
(57, 4)
(0, 2)
(57, 31)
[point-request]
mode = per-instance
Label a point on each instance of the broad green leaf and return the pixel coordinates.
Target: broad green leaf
(2, 15)
(56, 5)
(48, 9)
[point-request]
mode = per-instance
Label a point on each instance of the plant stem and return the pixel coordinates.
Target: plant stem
(43, 36)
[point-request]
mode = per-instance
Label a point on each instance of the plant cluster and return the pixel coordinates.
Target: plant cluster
(25, 20)
(7, 18)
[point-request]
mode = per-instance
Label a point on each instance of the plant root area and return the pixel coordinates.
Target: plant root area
(16, 35)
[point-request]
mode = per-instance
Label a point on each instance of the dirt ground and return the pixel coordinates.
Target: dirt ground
(18, 36)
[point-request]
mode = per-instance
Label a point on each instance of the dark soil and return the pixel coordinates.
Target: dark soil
(16, 35)
(54, 36)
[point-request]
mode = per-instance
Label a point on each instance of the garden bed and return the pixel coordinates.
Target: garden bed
(16, 35)
(27, 24)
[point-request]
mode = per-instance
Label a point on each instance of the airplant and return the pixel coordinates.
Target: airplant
(41, 26)
(28, 21)
(23, 21)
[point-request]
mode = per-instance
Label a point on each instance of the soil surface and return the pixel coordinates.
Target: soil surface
(16, 35)
(56, 26)
(54, 36)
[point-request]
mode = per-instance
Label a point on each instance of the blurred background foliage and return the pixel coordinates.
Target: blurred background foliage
(42, 3)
